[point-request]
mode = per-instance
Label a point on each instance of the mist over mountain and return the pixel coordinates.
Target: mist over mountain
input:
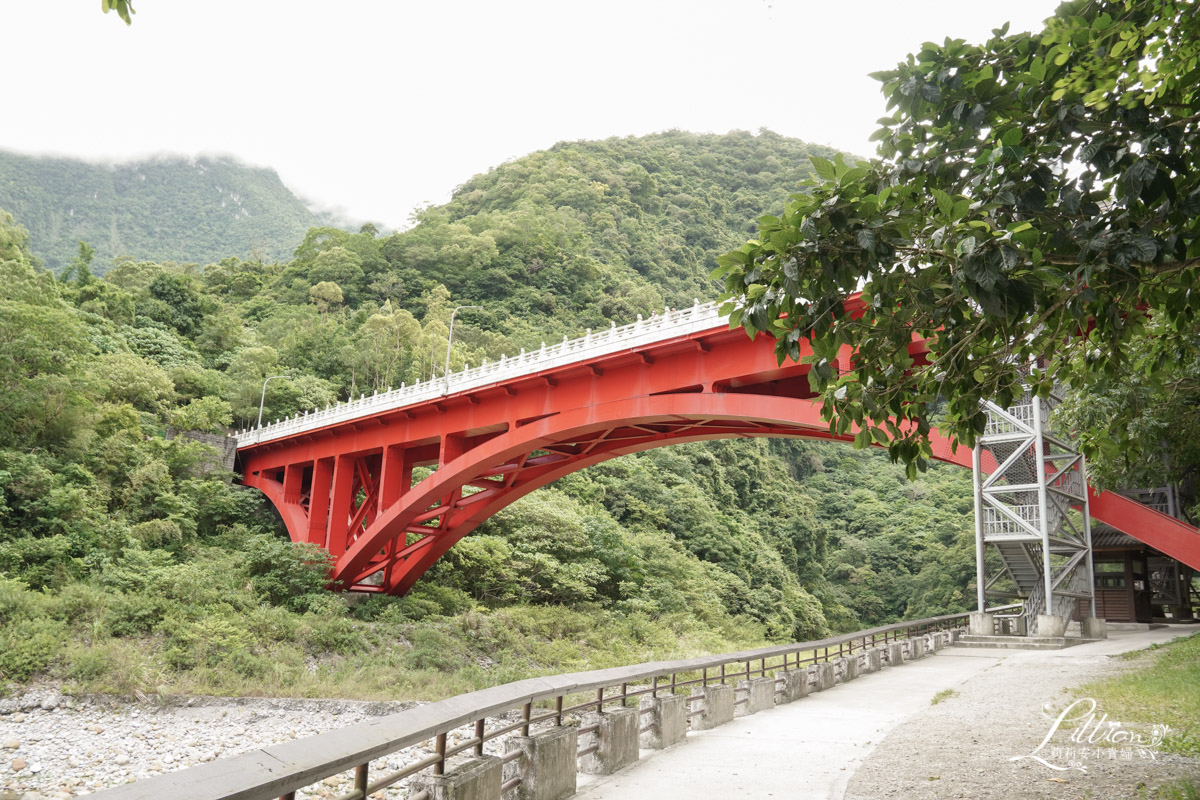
(168, 208)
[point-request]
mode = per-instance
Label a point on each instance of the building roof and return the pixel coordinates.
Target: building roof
(1108, 536)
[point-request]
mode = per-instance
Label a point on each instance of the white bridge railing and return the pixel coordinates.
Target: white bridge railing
(667, 325)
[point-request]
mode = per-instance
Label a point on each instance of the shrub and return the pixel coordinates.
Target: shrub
(287, 574)
(28, 646)
(435, 649)
(133, 614)
(211, 641)
(323, 633)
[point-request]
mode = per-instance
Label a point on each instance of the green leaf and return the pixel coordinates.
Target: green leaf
(944, 201)
(854, 174)
(824, 167)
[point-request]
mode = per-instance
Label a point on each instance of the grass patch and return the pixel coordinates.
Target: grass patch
(1182, 789)
(944, 694)
(1165, 688)
(270, 651)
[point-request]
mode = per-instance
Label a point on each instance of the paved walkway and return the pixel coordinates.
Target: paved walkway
(811, 748)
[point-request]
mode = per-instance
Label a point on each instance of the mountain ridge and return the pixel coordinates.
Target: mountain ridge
(168, 207)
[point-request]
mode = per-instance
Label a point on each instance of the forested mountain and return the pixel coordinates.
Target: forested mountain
(163, 209)
(126, 562)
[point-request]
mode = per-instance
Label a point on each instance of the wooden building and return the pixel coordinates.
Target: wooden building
(1135, 582)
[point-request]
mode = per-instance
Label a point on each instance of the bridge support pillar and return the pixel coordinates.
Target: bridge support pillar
(547, 763)
(795, 685)
(981, 624)
(851, 668)
(826, 676)
(477, 779)
(874, 660)
(617, 738)
(1051, 625)
(669, 722)
(895, 652)
(761, 695)
(318, 504)
(340, 505)
(718, 706)
(1094, 628)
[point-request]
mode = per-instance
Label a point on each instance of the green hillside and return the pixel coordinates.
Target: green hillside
(163, 209)
(126, 566)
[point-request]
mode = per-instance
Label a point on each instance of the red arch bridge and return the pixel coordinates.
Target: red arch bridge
(342, 478)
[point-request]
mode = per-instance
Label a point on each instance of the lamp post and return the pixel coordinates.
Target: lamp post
(263, 399)
(450, 343)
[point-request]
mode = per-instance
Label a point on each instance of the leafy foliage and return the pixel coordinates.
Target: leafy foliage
(124, 9)
(157, 572)
(1033, 207)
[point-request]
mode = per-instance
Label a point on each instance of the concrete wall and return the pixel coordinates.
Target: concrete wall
(226, 449)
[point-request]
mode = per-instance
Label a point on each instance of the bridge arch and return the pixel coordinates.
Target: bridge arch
(407, 538)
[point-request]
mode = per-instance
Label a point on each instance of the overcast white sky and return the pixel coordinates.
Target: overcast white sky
(379, 106)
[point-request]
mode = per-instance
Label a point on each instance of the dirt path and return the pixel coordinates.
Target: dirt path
(964, 745)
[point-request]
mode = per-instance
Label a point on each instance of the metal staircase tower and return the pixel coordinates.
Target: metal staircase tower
(1032, 511)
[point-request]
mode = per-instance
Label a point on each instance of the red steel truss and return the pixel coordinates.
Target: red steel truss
(349, 487)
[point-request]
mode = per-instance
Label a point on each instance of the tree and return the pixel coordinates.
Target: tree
(207, 414)
(80, 267)
(14, 240)
(1034, 205)
(382, 344)
(42, 345)
(326, 295)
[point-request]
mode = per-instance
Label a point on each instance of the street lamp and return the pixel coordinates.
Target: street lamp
(450, 342)
(263, 399)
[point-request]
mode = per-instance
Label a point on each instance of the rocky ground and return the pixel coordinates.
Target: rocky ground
(963, 746)
(59, 747)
